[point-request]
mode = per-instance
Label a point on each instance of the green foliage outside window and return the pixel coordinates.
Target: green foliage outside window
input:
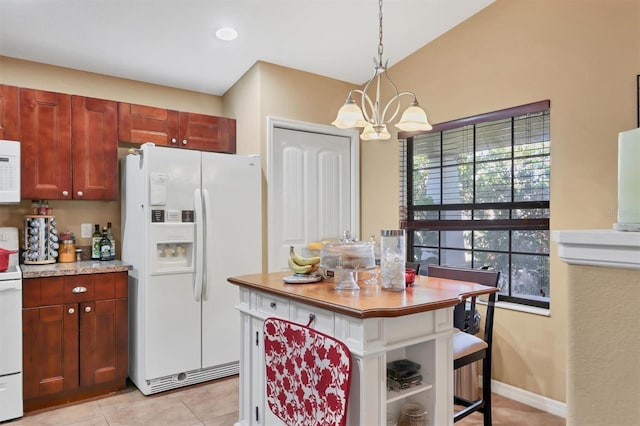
(477, 195)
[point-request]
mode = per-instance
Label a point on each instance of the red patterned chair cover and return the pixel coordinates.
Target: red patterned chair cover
(308, 374)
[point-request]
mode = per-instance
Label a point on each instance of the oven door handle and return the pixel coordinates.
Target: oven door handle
(4, 288)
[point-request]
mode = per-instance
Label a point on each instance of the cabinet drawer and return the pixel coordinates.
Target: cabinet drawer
(110, 286)
(272, 306)
(322, 319)
(42, 292)
(78, 288)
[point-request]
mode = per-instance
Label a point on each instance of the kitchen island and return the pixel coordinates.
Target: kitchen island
(378, 326)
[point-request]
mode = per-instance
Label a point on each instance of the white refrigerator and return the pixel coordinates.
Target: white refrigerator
(190, 220)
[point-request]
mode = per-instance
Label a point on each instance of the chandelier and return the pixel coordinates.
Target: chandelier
(370, 114)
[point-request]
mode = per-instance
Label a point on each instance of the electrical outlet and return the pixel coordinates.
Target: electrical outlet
(86, 230)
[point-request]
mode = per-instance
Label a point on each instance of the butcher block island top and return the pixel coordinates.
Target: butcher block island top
(427, 293)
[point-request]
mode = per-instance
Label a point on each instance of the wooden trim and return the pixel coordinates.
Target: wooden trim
(471, 225)
(481, 118)
(516, 205)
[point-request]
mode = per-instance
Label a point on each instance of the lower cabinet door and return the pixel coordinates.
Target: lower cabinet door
(50, 350)
(103, 341)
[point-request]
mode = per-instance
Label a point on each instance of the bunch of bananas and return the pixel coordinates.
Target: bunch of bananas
(302, 265)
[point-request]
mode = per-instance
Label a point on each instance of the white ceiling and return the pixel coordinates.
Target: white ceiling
(172, 42)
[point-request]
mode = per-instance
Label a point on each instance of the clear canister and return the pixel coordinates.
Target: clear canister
(413, 415)
(392, 259)
(67, 251)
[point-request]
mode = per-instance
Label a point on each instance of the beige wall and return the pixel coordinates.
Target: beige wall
(269, 90)
(604, 346)
(582, 55)
(34, 75)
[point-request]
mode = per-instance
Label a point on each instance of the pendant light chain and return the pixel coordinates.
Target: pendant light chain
(380, 47)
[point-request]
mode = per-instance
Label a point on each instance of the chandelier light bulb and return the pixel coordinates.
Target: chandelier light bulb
(414, 118)
(371, 133)
(349, 116)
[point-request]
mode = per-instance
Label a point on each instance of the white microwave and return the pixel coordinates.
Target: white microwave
(9, 172)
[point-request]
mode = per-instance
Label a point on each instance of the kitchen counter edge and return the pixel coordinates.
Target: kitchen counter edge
(73, 268)
(369, 301)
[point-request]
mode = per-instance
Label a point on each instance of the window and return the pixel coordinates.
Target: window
(475, 193)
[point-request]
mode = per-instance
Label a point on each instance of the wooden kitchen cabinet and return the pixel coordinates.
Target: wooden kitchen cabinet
(94, 142)
(45, 149)
(141, 123)
(9, 113)
(75, 337)
(206, 132)
(69, 146)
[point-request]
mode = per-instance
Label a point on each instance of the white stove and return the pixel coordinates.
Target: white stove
(10, 330)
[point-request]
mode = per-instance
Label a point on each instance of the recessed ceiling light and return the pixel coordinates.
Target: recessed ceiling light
(227, 34)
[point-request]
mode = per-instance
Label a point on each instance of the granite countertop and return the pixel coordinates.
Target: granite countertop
(73, 268)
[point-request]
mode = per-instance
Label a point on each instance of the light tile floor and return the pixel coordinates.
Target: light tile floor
(216, 404)
(210, 404)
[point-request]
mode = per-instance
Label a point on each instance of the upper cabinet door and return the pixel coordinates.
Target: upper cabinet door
(45, 125)
(9, 113)
(141, 123)
(95, 148)
(207, 133)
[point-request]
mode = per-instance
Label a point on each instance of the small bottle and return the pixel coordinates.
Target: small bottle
(95, 242)
(373, 273)
(113, 241)
(42, 207)
(105, 246)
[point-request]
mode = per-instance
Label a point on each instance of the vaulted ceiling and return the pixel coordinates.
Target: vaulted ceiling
(173, 43)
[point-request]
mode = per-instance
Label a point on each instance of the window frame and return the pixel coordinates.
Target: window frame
(407, 209)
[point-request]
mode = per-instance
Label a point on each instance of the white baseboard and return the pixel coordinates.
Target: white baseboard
(528, 398)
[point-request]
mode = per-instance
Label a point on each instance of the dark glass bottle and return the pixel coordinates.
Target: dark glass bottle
(95, 242)
(105, 246)
(112, 240)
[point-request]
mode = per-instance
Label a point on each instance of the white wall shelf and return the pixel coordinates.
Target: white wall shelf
(613, 249)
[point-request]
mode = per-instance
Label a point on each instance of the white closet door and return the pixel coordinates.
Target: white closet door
(313, 184)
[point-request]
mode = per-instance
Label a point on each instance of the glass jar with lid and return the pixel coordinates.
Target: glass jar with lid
(413, 414)
(392, 259)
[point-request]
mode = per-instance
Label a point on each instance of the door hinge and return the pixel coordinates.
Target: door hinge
(257, 417)
(257, 338)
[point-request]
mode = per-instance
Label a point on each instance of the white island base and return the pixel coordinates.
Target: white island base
(424, 338)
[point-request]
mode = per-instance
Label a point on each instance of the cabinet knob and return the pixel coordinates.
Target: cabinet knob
(273, 305)
(87, 309)
(174, 140)
(184, 141)
(71, 311)
(79, 289)
(80, 193)
(65, 193)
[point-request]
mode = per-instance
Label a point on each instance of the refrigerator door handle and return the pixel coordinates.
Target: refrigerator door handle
(197, 285)
(208, 238)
